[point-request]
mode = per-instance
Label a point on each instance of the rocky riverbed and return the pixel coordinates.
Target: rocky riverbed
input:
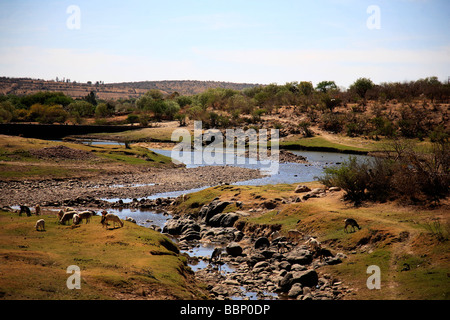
(120, 186)
(263, 263)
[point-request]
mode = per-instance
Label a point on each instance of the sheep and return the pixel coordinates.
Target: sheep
(215, 257)
(37, 209)
(60, 214)
(86, 215)
(111, 217)
(76, 219)
(352, 223)
(68, 209)
(104, 213)
(314, 244)
(26, 210)
(40, 224)
(282, 247)
(67, 216)
(294, 234)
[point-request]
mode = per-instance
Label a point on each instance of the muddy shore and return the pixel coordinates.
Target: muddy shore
(122, 186)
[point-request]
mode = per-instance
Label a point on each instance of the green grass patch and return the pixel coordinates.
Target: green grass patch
(113, 263)
(320, 144)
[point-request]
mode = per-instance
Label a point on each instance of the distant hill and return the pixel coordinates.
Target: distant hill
(24, 86)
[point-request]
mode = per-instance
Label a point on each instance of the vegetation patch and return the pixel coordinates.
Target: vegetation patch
(114, 264)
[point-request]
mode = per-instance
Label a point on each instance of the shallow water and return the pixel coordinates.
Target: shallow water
(286, 173)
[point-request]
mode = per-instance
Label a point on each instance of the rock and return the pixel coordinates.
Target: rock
(299, 256)
(233, 249)
(269, 204)
(190, 234)
(317, 191)
(333, 261)
(308, 278)
(285, 265)
(262, 264)
(301, 189)
(130, 220)
(295, 290)
(333, 189)
(223, 220)
(286, 282)
(219, 290)
(210, 210)
(262, 243)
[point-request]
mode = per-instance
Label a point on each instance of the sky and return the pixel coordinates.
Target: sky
(251, 41)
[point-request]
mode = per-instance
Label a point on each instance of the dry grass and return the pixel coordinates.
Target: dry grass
(132, 262)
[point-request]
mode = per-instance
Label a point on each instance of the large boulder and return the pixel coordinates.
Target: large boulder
(299, 256)
(262, 243)
(180, 226)
(302, 188)
(211, 209)
(223, 220)
(233, 249)
(307, 278)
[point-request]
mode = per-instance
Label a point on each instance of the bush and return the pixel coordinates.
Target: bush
(352, 176)
(404, 174)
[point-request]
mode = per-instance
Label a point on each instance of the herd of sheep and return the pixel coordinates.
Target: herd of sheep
(69, 214)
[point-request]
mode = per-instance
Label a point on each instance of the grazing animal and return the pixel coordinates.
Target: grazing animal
(104, 213)
(26, 210)
(85, 215)
(314, 244)
(76, 219)
(111, 217)
(294, 234)
(60, 214)
(67, 209)
(352, 223)
(37, 209)
(67, 217)
(40, 224)
(215, 257)
(322, 253)
(282, 247)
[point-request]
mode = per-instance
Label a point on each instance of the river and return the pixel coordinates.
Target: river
(285, 173)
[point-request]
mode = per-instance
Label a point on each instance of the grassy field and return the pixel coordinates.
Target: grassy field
(132, 262)
(18, 161)
(411, 250)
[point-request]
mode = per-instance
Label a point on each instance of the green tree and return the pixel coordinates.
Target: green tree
(361, 86)
(132, 118)
(326, 86)
(102, 110)
(306, 87)
(81, 108)
(91, 98)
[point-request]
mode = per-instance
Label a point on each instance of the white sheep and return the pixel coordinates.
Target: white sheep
(40, 224)
(314, 244)
(76, 219)
(67, 216)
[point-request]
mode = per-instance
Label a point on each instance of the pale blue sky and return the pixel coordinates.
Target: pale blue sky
(253, 41)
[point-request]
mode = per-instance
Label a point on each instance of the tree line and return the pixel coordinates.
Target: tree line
(225, 107)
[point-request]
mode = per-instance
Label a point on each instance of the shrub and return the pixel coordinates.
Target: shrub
(352, 176)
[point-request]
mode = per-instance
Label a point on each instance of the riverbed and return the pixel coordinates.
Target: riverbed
(286, 173)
